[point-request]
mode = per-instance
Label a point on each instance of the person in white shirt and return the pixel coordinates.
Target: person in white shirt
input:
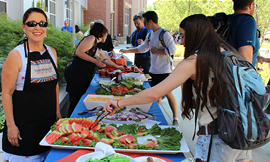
(161, 61)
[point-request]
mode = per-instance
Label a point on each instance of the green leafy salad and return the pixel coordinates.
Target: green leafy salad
(2, 119)
(125, 87)
(110, 158)
(118, 136)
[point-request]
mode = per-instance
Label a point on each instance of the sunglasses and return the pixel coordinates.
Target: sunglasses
(33, 24)
(137, 16)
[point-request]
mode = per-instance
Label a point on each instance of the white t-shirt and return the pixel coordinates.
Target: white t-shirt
(21, 77)
(160, 64)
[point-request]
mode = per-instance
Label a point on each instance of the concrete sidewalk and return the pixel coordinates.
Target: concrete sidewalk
(261, 154)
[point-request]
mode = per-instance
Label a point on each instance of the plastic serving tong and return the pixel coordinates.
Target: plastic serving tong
(87, 111)
(99, 118)
(140, 111)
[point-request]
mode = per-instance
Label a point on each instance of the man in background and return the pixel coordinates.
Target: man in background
(244, 36)
(116, 40)
(67, 27)
(107, 45)
(142, 60)
(161, 61)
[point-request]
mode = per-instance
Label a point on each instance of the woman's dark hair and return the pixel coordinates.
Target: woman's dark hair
(77, 29)
(98, 30)
(201, 38)
(31, 10)
(150, 15)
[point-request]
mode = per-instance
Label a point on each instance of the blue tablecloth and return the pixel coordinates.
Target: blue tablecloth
(57, 154)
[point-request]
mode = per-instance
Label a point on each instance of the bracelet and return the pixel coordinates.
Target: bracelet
(118, 105)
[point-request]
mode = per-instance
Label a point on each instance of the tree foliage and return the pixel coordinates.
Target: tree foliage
(262, 15)
(172, 12)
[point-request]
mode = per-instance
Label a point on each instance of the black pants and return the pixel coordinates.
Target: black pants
(144, 62)
(157, 78)
(73, 99)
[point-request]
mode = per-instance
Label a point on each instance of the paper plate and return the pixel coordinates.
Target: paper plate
(144, 158)
(93, 155)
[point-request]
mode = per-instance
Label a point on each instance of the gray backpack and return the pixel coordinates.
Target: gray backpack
(241, 119)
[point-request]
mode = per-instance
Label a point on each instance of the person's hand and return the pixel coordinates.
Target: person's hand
(260, 59)
(121, 68)
(13, 135)
(108, 108)
(123, 51)
(140, 41)
(99, 63)
(154, 50)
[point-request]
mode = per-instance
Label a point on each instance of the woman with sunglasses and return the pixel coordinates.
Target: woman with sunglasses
(29, 92)
(204, 66)
(86, 59)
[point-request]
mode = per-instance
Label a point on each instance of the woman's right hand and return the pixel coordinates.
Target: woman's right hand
(13, 135)
(99, 63)
(108, 107)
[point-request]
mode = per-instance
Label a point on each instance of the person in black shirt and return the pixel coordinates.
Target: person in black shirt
(107, 45)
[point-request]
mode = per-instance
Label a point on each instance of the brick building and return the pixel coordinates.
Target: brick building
(116, 14)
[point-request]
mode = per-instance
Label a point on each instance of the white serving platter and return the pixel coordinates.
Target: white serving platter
(144, 158)
(183, 147)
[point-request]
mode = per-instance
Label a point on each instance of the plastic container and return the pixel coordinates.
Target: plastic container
(102, 73)
(118, 75)
(144, 107)
(99, 101)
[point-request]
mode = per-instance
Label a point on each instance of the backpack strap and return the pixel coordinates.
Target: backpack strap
(145, 33)
(133, 38)
(161, 40)
(148, 38)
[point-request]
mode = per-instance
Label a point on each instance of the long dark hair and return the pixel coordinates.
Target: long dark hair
(200, 38)
(98, 30)
(77, 29)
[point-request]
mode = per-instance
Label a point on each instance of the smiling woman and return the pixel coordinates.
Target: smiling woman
(30, 90)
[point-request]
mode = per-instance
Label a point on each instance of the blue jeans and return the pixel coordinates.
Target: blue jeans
(220, 151)
(144, 62)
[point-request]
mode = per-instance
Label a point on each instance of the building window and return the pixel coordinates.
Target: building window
(3, 6)
(52, 7)
(69, 11)
(50, 10)
(111, 23)
(126, 15)
(46, 5)
(126, 21)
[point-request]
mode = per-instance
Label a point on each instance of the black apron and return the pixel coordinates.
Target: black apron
(34, 108)
(79, 73)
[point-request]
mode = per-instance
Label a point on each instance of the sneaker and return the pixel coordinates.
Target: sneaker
(176, 123)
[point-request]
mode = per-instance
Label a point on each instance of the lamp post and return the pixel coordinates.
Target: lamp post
(73, 22)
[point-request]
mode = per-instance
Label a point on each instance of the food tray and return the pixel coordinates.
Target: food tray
(183, 147)
(134, 75)
(144, 107)
(90, 104)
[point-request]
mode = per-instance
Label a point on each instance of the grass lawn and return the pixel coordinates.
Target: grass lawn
(179, 51)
